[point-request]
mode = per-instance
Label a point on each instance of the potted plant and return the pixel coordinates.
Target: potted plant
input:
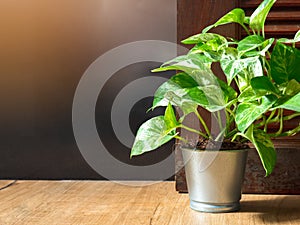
(265, 74)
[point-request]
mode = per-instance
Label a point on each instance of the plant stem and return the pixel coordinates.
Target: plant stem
(203, 123)
(181, 138)
(230, 115)
(281, 122)
(220, 134)
(264, 119)
(227, 122)
(268, 64)
(246, 29)
(232, 133)
(291, 116)
(269, 119)
(194, 131)
(277, 118)
(230, 112)
(286, 133)
(220, 120)
(236, 81)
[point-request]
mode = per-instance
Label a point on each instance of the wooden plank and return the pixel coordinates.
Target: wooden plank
(281, 14)
(107, 203)
(284, 15)
(279, 3)
(283, 29)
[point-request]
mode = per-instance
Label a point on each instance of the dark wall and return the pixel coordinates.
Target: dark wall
(46, 46)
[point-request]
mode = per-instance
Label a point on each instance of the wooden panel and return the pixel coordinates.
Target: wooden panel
(283, 21)
(193, 16)
(107, 203)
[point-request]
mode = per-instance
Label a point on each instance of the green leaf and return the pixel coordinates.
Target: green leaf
(183, 91)
(207, 46)
(248, 112)
(285, 61)
(232, 67)
(206, 54)
(264, 86)
(258, 17)
(228, 92)
(247, 20)
(170, 117)
(184, 80)
(208, 94)
(254, 45)
(214, 96)
(294, 40)
(186, 63)
(264, 147)
(266, 46)
(292, 88)
(192, 65)
(249, 43)
(236, 15)
(151, 135)
(204, 38)
(230, 53)
(289, 102)
(210, 51)
(297, 36)
(248, 95)
(175, 92)
(189, 99)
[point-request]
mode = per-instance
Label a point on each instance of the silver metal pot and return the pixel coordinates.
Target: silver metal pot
(214, 178)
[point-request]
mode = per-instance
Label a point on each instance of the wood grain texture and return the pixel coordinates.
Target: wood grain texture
(193, 16)
(107, 203)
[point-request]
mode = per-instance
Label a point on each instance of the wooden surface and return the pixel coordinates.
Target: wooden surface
(101, 202)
